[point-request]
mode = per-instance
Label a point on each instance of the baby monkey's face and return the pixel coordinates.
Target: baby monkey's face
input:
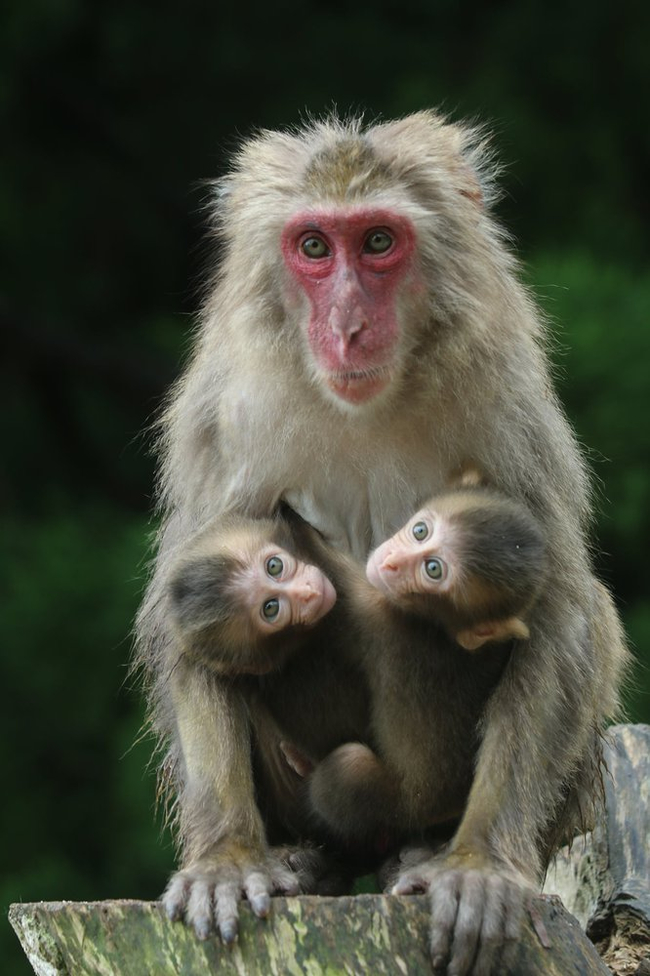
(420, 558)
(277, 590)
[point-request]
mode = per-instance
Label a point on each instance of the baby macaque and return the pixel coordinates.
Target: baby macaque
(470, 558)
(465, 568)
(243, 599)
(474, 561)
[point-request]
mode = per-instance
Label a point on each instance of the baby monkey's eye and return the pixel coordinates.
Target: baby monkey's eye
(274, 566)
(434, 568)
(420, 531)
(271, 609)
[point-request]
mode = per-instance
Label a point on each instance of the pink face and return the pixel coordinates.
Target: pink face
(280, 591)
(417, 559)
(352, 264)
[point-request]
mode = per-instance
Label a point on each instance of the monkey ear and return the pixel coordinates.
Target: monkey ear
(426, 140)
(469, 477)
(469, 184)
(497, 631)
(473, 191)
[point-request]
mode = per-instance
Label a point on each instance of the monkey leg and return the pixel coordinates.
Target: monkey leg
(355, 794)
(225, 854)
(536, 732)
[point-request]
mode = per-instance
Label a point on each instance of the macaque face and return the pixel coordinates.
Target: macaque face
(417, 559)
(352, 265)
(277, 591)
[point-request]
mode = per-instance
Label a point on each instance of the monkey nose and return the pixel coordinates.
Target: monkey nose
(391, 565)
(306, 593)
(347, 323)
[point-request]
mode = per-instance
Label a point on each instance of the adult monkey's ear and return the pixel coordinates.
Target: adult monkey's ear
(425, 145)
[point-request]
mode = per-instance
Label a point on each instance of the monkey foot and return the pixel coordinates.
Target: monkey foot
(206, 894)
(476, 913)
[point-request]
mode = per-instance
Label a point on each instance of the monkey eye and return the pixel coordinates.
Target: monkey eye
(377, 242)
(434, 568)
(274, 566)
(271, 609)
(420, 531)
(314, 247)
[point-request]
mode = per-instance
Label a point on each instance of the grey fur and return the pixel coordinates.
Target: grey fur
(472, 382)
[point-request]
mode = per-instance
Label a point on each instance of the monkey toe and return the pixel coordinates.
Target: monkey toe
(175, 897)
(411, 882)
(198, 912)
(257, 887)
(476, 919)
(227, 896)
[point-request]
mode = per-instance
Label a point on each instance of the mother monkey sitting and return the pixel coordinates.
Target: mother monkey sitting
(366, 336)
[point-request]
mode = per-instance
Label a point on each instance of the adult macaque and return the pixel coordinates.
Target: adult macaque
(367, 333)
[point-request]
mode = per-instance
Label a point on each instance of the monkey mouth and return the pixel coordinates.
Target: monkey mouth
(358, 386)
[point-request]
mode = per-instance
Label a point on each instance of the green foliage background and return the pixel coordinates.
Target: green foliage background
(111, 115)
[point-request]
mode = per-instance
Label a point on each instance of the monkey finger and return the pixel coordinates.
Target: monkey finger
(285, 881)
(198, 913)
(468, 924)
(175, 896)
(227, 896)
(410, 882)
(492, 935)
(514, 904)
(256, 886)
(444, 895)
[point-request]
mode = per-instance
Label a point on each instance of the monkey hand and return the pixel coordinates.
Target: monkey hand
(477, 907)
(207, 892)
(319, 872)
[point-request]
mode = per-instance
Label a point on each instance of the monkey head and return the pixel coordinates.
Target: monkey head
(477, 553)
(242, 601)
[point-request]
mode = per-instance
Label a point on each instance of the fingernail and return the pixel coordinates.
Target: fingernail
(261, 905)
(228, 932)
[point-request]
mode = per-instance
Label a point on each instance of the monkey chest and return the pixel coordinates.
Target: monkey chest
(356, 502)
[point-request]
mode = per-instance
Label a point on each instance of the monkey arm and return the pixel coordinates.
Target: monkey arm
(224, 848)
(537, 735)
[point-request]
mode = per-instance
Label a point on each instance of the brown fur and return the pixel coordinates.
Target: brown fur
(248, 425)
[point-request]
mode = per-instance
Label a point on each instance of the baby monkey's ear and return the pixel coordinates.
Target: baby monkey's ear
(496, 631)
(468, 476)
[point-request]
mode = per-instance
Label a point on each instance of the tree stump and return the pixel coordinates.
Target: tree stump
(604, 879)
(346, 936)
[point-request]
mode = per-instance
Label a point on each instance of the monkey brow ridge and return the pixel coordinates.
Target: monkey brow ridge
(347, 169)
